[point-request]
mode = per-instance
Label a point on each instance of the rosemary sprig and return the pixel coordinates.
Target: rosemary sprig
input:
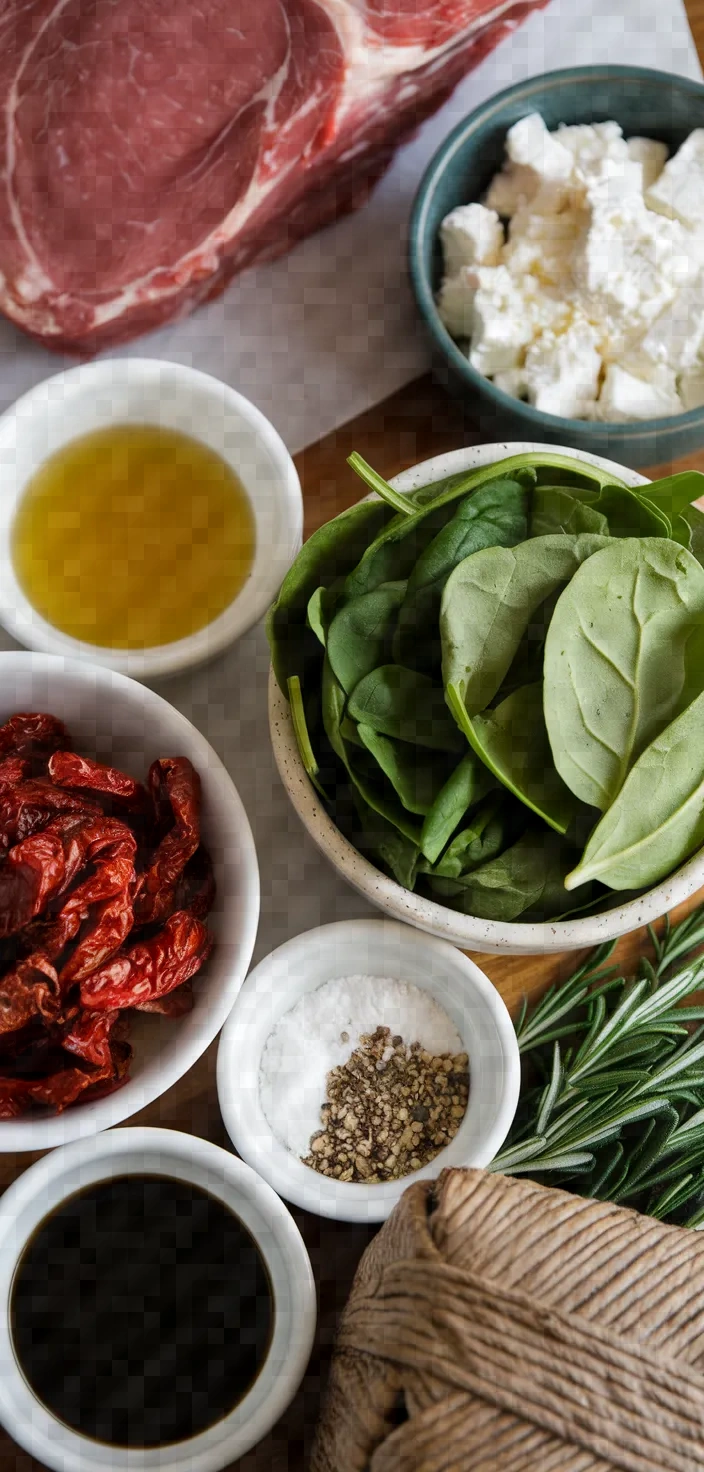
(613, 1098)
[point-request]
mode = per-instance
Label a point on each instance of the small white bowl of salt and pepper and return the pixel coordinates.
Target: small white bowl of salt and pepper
(358, 1030)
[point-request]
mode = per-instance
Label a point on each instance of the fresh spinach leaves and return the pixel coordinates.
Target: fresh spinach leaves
(477, 666)
(615, 660)
(657, 820)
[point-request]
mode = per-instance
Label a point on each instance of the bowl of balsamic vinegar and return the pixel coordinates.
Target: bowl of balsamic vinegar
(158, 1306)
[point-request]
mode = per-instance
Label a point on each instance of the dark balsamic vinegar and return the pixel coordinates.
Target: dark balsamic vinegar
(142, 1311)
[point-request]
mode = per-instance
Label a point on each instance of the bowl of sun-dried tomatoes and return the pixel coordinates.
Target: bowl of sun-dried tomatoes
(129, 898)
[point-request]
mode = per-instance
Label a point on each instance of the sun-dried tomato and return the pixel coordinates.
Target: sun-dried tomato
(15, 1097)
(89, 854)
(67, 769)
(27, 808)
(175, 780)
(102, 903)
(29, 990)
(28, 734)
(13, 771)
(32, 872)
(195, 890)
(150, 969)
(93, 1035)
(65, 1086)
(175, 1004)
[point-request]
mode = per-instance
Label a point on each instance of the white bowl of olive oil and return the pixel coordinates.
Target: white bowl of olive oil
(148, 516)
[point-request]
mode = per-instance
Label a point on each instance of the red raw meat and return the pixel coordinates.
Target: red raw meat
(151, 148)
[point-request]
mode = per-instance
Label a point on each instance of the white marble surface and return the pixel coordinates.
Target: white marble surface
(320, 336)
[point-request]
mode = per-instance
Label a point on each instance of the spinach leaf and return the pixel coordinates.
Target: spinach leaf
(386, 559)
(333, 709)
(376, 483)
(556, 510)
(513, 743)
(674, 493)
(657, 820)
(379, 840)
(320, 611)
(527, 665)
(481, 841)
(349, 732)
(331, 551)
(416, 779)
(495, 515)
(423, 495)
(360, 635)
(467, 785)
(488, 603)
(695, 521)
(392, 555)
(300, 728)
(682, 532)
(407, 706)
(615, 660)
(525, 877)
(630, 514)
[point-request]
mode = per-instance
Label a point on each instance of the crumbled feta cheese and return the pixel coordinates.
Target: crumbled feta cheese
(617, 182)
(456, 302)
(471, 236)
(561, 371)
(626, 259)
(512, 382)
(510, 189)
(599, 151)
(601, 272)
(542, 245)
(624, 397)
(502, 325)
(529, 143)
(652, 157)
(679, 191)
(677, 335)
(691, 388)
(590, 140)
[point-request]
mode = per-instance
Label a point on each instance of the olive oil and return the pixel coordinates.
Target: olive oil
(133, 536)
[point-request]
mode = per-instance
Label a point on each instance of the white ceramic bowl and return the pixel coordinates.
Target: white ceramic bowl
(436, 919)
(116, 720)
(366, 948)
(160, 1152)
(145, 391)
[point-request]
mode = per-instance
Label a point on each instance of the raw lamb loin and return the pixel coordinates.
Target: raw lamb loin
(152, 148)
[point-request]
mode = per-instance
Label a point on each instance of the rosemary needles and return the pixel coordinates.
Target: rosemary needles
(613, 1096)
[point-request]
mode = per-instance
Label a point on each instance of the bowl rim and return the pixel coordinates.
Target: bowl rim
(651, 430)
(52, 1131)
(506, 937)
(79, 383)
(58, 1176)
(263, 1001)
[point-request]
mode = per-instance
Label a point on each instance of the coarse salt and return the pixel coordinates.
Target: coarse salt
(322, 1031)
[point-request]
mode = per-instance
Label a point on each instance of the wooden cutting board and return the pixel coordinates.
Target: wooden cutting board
(414, 424)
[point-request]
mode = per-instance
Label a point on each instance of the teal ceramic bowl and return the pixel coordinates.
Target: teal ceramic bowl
(645, 103)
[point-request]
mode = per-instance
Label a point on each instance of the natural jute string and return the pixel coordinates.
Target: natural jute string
(520, 1330)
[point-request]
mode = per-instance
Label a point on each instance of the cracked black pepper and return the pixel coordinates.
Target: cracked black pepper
(390, 1109)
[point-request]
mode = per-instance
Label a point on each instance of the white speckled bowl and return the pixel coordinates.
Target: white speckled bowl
(465, 930)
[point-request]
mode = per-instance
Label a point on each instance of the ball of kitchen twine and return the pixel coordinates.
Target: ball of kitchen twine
(495, 1325)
